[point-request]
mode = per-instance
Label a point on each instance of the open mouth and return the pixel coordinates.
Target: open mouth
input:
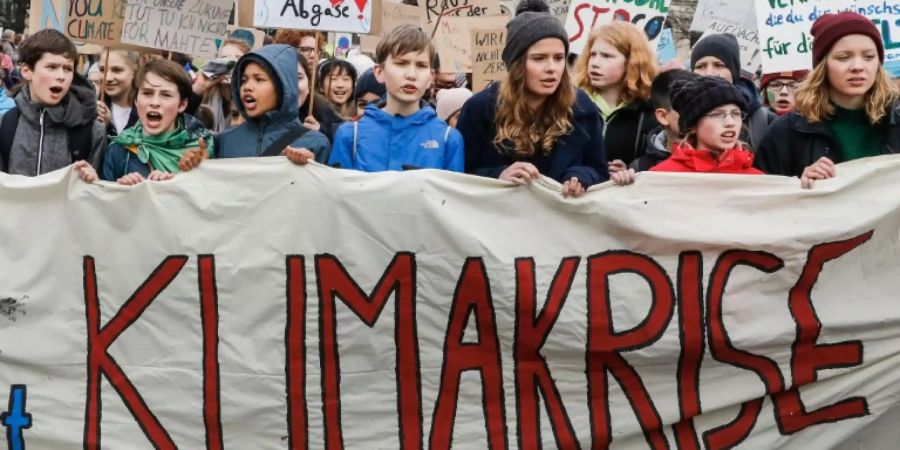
(153, 118)
(249, 102)
(409, 89)
(728, 136)
(549, 82)
(56, 90)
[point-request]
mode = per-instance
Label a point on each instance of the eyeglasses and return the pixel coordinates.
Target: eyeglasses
(719, 116)
(307, 50)
(777, 86)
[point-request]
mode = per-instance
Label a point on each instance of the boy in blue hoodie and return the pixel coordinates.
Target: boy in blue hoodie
(404, 134)
(265, 84)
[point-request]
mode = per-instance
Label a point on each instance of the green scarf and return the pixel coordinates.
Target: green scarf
(163, 151)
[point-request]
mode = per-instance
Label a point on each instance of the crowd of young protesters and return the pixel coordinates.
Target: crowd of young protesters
(608, 115)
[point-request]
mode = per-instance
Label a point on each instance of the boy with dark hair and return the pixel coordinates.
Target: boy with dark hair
(661, 139)
(404, 134)
(54, 122)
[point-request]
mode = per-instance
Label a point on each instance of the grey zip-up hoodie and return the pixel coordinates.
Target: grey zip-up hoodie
(41, 144)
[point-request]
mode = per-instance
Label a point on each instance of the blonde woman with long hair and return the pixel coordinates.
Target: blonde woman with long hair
(616, 70)
(846, 108)
(535, 121)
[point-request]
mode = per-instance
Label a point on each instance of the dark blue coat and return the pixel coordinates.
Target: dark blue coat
(579, 154)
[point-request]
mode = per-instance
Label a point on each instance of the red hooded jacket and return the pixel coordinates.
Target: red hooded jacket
(686, 158)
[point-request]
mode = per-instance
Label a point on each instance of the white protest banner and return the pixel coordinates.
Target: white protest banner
(786, 41)
(559, 9)
(454, 38)
(487, 57)
(585, 15)
(192, 27)
(426, 309)
(324, 15)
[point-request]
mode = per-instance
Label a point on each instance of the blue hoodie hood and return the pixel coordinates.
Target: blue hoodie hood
(6, 103)
(751, 94)
(279, 61)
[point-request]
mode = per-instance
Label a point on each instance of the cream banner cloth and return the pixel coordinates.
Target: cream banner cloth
(261, 305)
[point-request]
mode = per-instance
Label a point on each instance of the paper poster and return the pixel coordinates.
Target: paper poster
(487, 57)
(585, 15)
(454, 37)
(322, 15)
(192, 27)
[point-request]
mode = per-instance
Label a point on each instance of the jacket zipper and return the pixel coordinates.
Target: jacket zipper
(40, 145)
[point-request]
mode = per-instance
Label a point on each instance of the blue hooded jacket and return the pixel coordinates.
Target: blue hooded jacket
(386, 142)
(254, 135)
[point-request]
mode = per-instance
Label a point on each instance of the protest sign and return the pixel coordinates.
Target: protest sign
(559, 9)
(487, 61)
(786, 41)
(750, 55)
(454, 37)
(735, 18)
(244, 13)
(192, 27)
(323, 15)
(665, 48)
(45, 14)
(427, 309)
(432, 9)
(95, 21)
(585, 15)
(368, 43)
(393, 15)
(253, 37)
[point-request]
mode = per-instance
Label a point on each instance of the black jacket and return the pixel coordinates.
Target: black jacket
(578, 154)
(132, 118)
(793, 143)
(329, 120)
(626, 130)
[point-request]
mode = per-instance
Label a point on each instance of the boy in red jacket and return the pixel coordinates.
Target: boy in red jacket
(711, 113)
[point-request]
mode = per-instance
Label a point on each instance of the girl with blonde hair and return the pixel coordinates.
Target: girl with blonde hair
(846, 108)
(616, 70)
(535, 121)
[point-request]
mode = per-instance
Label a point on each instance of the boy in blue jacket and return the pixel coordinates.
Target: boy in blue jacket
(405, 133)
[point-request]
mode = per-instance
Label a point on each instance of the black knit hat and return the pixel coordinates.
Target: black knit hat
(693, 99)
(368, 83)
(725, 47)
(532, 23)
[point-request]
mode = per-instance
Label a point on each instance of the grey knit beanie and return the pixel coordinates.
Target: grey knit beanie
(725, 47)
(532, 23)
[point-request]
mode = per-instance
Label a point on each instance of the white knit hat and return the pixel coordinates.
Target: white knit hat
(449, 101)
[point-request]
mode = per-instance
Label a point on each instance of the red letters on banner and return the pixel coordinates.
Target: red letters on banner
(534, 381)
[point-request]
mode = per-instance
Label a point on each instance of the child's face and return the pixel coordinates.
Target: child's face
(364, 100)
(119, 75)
(720, 128)
(606, 66)
(710, 66)
(406, 77)
(257, 91)
(668, 118)
(545, 65)
(230, 50)
(340, 87)
(158, 104)
(780, 94)
(50, 78)
(302, 85)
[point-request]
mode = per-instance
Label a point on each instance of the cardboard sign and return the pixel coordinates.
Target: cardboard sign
(95, 21)
(422, 310)
(559, 9)
(734, 18)
(323, 15)
(244, 14)
(253, 37)
(52, 14)
(432, 9)
(192, 27)
(368, 43)
(454, 37)
(396, 14)
(585, 15)
(487, 61)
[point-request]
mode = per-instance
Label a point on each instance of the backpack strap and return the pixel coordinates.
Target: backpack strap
(447, 134)
(355, 133)
(291, 135)
(81, 140)
(8, 124)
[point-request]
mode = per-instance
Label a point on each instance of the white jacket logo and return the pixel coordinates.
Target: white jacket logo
(431, 144)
